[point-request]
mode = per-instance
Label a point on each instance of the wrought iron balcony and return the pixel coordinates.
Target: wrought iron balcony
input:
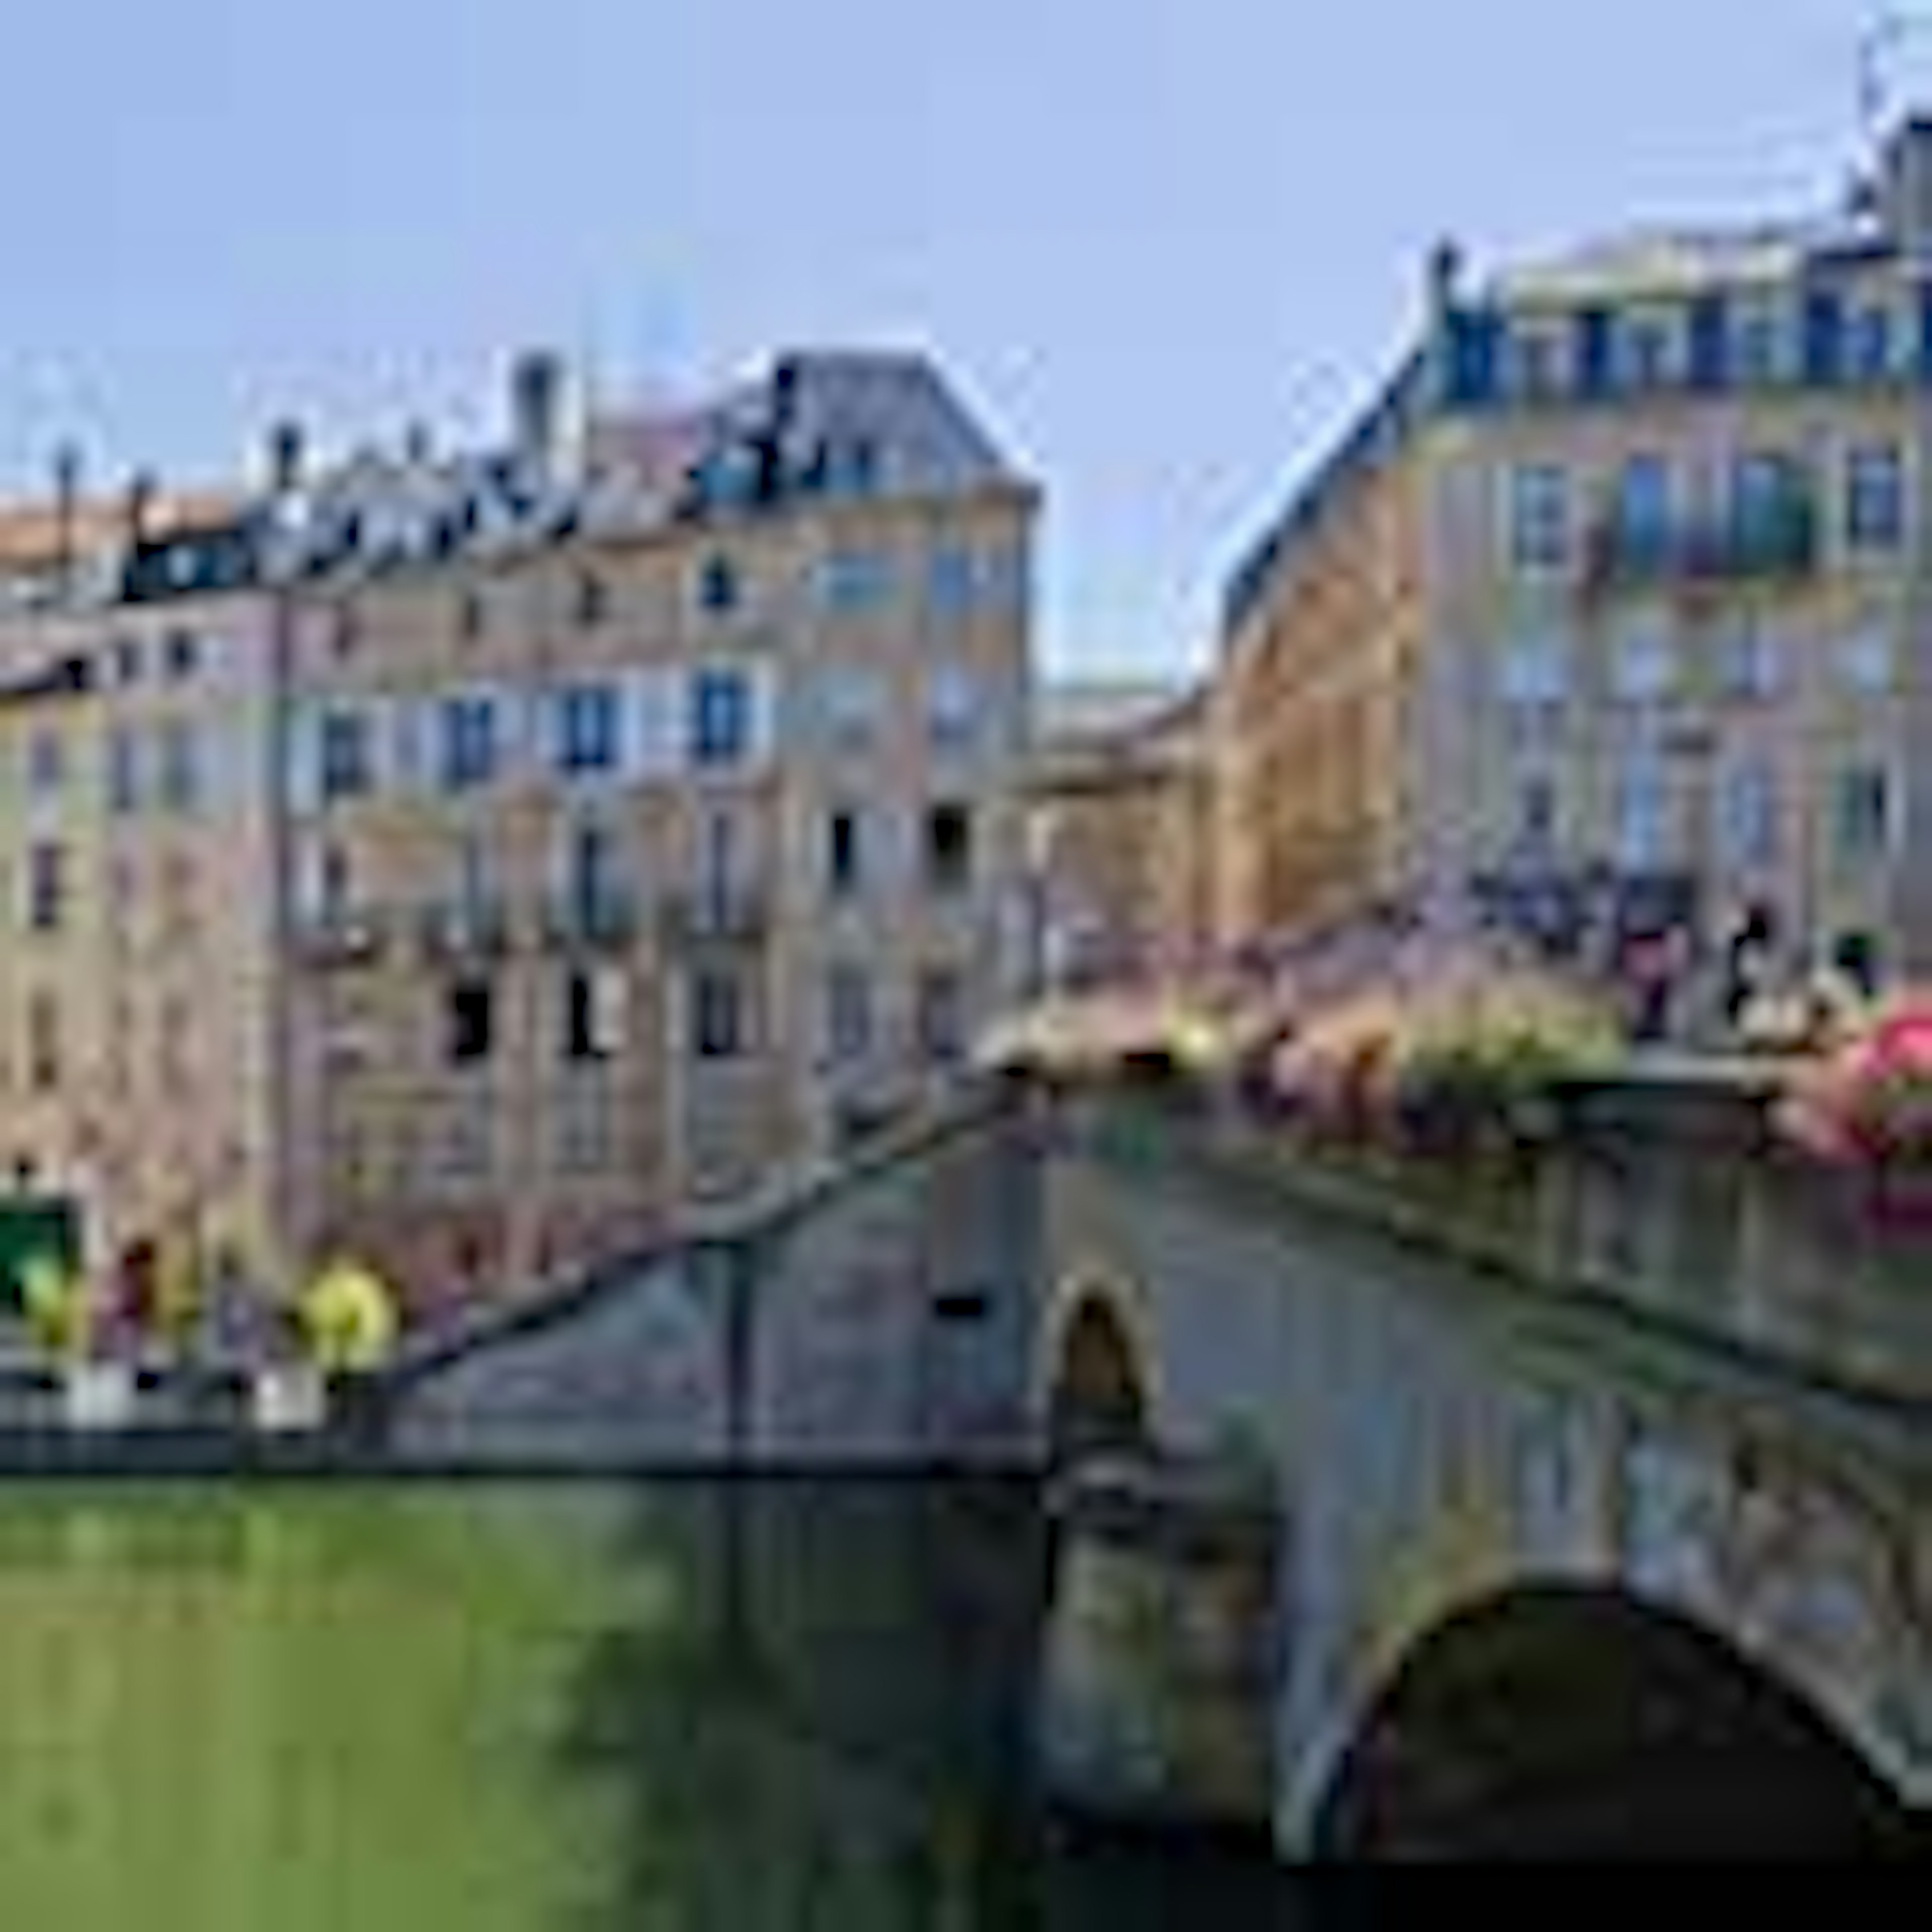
(342, 937)
(718, 914)
(1776, 540)
(465, 929)
(581, 919)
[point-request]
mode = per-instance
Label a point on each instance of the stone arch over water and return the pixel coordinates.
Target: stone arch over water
(1100, 1396)
(1571, 1720)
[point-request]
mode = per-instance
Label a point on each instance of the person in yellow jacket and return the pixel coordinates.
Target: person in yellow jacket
(56, 1301)
(348, 1317)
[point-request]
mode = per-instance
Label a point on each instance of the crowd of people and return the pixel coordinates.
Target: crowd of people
(155, 1309)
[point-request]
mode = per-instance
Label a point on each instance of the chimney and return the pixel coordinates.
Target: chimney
(1445, 274)
(1904, 189)
(285, 455)
(66, 512)
(536, 410)
(140, 503)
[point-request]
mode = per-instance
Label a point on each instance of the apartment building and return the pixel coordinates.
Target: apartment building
(1606, 619)
(137, 850)
(617, 818)
(1119, 830)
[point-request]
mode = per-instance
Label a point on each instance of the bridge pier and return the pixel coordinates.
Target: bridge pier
(1162, 1649)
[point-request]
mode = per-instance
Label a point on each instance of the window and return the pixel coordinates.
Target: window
(587, 724)
(469, 1015)
(46, 887)
(322, 883)
(848, 1012)
(46, 764)
(940, 1010)
(182, 655)
(1754, 347)
(1748, 814)
(720, 719)
(950, 580)
(1539, 516)
(1874, 497)
(1532, 669)
(1640, 810)
(852, 704)
(470, 615)
(1864, 664)
(126, 656)
(1538, 365)
(123, 770)
(1536, 811)
(43, 1053)
(1765, 486)
(1646, 352)
(592, 861)
(949, 848)
(1868, 343)
(717, 586)
(952, 708)
(593, 1013)
(1642, 500)
(1863, 813)
(591, 602)
(1642, 668)
(852, 582)
(845, 852)
(344, 631)
(1745, 660)
(347, 763)
(181, 771)
(718, 1015)
(469, 748)
(473, 872)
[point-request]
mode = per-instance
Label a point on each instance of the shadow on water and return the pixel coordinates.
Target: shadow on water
(832, 1730)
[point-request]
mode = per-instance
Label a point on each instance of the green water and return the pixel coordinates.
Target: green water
(513, 1709)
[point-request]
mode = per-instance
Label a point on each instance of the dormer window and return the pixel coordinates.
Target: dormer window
(1646, 355)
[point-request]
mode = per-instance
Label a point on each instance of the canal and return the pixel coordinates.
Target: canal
(553, 1707)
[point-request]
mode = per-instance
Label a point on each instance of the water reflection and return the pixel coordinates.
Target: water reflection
(512, 1709)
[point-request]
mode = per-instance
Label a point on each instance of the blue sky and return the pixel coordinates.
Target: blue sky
(1165, 246)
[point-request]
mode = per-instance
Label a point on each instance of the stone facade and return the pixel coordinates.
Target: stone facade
(1602, 619)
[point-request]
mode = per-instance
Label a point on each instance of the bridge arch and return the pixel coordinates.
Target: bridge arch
(1570, 1719)
(1098, 1393)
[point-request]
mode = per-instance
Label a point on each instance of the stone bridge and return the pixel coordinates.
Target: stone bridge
(1595, 1484)
(1599, 1479)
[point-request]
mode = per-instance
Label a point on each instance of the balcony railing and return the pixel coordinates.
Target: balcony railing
(738, 914)
(586, 918)
(349, 936)
(465, 929)
(1777, 541)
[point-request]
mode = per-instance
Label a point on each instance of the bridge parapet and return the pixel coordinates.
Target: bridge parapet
(1669, 1194)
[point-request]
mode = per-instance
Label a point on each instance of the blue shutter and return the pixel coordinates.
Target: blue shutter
(1474, 345)
(1710, 343)
(1925, 355)
(1824, 336)
(1596, 376)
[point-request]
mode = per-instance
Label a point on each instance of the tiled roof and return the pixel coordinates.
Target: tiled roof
(817, 426)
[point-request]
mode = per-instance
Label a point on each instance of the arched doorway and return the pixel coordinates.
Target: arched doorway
(1098, 1402)
(1559, 1722)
